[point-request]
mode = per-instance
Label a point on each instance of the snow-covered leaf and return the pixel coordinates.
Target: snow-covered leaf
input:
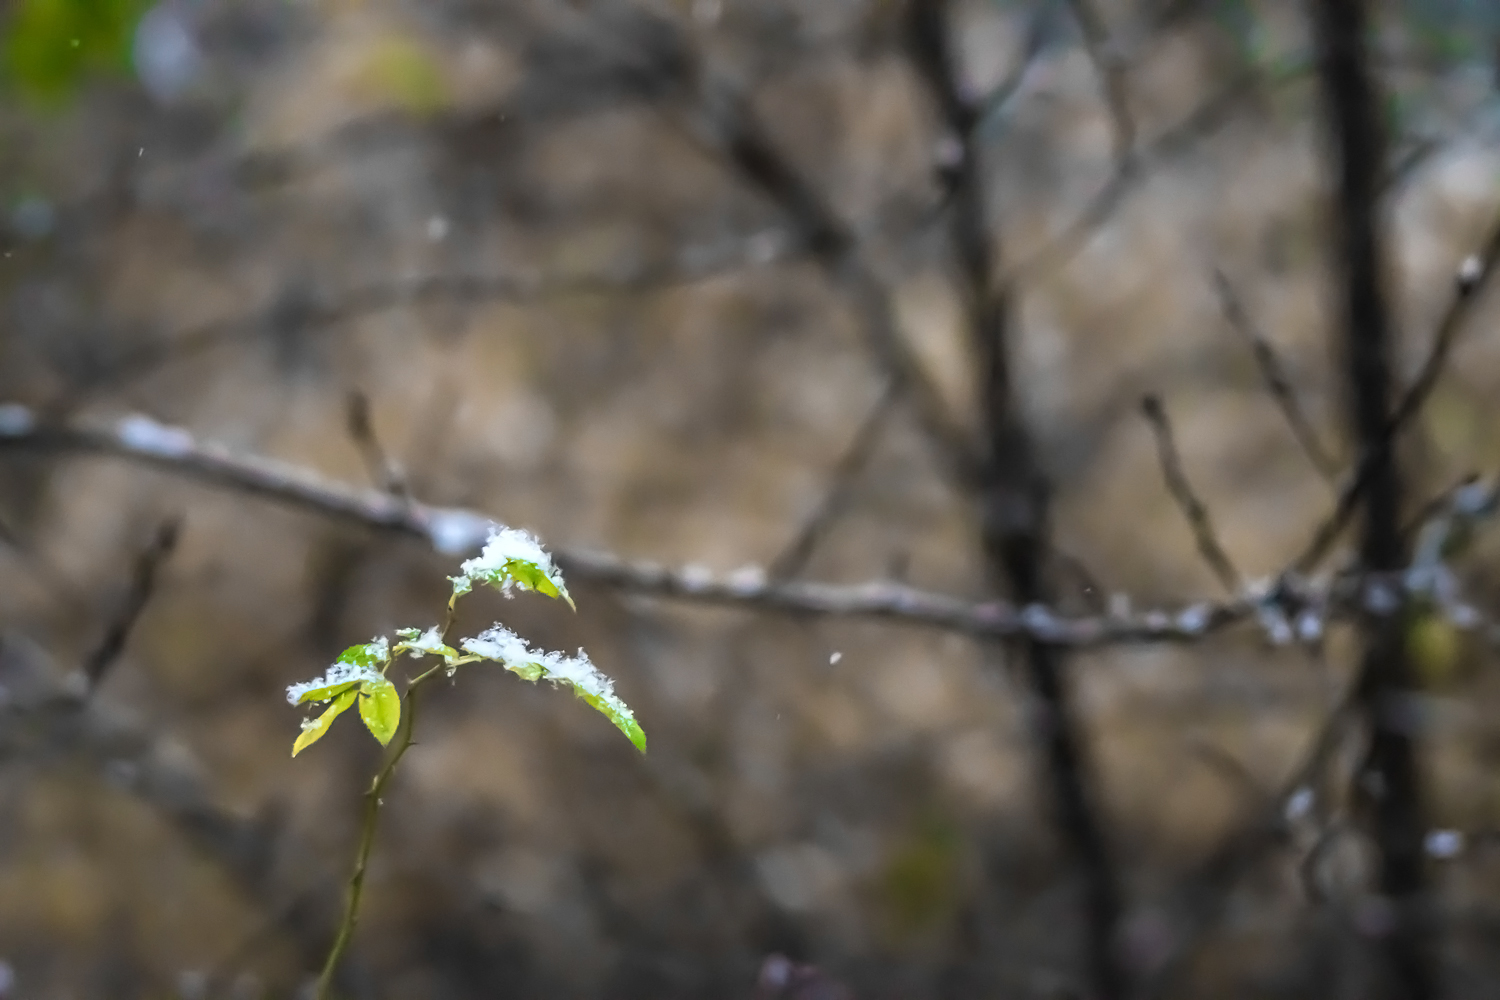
(503, 646)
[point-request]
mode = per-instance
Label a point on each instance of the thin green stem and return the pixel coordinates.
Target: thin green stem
(367, 827)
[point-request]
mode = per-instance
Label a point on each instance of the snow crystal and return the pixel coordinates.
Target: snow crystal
(1299, 804)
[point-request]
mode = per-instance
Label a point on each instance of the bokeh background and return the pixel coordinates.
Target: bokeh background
(488, 219)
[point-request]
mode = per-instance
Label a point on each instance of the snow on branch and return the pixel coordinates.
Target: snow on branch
(1293, 609)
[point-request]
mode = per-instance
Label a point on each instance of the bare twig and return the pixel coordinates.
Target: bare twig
(1187, 499)
(384, 471)
(142, 586)
(1389, 771)
(716, 115)
(793, 558)
(299, 310)
(1111, 70)
(1473, 277)
(1275, 377)
(1126, 174)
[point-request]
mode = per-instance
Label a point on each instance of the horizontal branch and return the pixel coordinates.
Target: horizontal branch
(455, 531)
(1294, 608)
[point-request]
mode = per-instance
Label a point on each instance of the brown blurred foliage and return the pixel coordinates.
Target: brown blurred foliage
(570, 312)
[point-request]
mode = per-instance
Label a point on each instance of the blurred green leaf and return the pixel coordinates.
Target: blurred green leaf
(314, 730)
(380, 708)
(405, 73)
(51, 46)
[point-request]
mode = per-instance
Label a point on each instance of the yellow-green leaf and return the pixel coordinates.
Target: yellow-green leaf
(380, 708)
(325, 693)
(614, 709)
(313, 730)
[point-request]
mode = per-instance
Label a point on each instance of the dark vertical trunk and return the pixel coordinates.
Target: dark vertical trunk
(1389, 778)
(1013, 496)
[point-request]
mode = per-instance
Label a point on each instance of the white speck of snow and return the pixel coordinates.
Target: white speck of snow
(437, 229)
(747, 578)
(1309, 626)
(1470, 270)
(142, 434)
(1193, 619)
(695, 576)
(1444, 844)
(1463, 616)
(15, 420)
(1380, 598)
(834, 658)
(1299, 804)
(458, 532)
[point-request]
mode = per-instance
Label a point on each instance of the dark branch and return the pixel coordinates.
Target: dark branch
(142, 586)
(1013, 494)
(793, 558)
(1274, 374)
(1111, 70)
(1389, 771)
(385, 473)
(1473, 277)
(1187, 499)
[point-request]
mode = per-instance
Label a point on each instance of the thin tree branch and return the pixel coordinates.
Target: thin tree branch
(1126, 174)
(142, 586)
(715, 114)
(1473, 278)
(794, 556)
(1111, 70)
(1274, 374)
(298, 310)
(451, 531)
(385, 473)
(455, 531)
(1187, 499)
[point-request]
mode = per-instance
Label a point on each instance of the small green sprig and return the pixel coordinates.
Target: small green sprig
(510, 560)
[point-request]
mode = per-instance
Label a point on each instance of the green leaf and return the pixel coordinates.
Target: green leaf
(51, 46)
(614, 709)
(327, 692)
(313, 730)
(380, 708)
(371, 654)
